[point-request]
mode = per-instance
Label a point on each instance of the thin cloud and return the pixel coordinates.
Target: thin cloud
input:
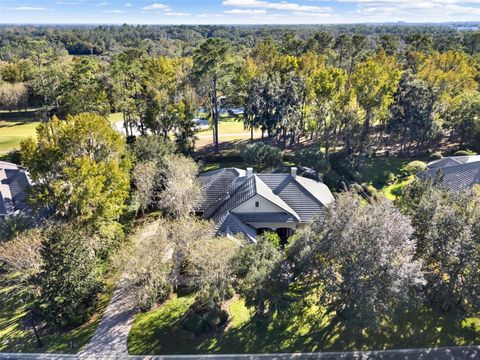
(245, 11)
(25, 8)
(176, 14)
(156, 7)
(284, 6)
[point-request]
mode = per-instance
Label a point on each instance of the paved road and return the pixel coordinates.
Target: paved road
(453, 353)
(111, 334)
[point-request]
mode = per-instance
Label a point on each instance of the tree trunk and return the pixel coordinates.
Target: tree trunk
(215, 111)
(363, 137)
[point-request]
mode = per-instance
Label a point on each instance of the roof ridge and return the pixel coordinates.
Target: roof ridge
(282, 204)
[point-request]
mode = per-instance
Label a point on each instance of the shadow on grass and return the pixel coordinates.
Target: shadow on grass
(301, 327)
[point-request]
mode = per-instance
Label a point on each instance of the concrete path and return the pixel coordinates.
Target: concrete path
(453, 353)
(111, 335)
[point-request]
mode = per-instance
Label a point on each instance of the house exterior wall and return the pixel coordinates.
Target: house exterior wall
(272, 225)
(265, 206)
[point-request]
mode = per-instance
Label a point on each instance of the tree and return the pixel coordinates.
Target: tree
(181, 189)
(209, 270)
(22, 255)
(13, 96)
(329, 85)
(449, 75)
(413, 112)
(446, 226)
(259, 274)
(148, 267)
(69, 277)
(375, 81)
(259, 154)
(50, 68)
(80, 168)
(362, 258)
(212, 64)
(262, 104)
(152, 148)
(83, 91)
(144, 178)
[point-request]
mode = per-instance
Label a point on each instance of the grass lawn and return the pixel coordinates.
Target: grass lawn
(393, 191)
(297, 328)
(13, 131)
(16, 333)
(373, 169)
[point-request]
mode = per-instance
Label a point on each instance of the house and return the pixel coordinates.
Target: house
(243, 202)
(457, 172)
(14, 183)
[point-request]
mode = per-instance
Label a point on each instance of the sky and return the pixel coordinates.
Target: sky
(236, 11)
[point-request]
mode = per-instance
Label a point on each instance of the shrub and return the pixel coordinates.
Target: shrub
(193, 322)
(262, 155)
(312, 158)
(388, 177)
(216, 318)
(414, 167)
(435, 156)
(465, 152)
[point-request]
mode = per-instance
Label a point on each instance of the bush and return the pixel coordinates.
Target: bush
(414, 167)
(216, 318)
(465, 152)
(312, 158)
(388, 177)
(262, 155)
(193, 323)
(435, 156)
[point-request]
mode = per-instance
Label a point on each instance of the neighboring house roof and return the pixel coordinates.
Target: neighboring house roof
(13, 185)
(298, 199)
(459, 172)
(452, 160)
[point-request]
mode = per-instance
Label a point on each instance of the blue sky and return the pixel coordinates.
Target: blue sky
(236, 11)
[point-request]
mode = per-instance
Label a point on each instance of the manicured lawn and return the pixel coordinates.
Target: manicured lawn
(16, 333)
(12, 132)
(301, 327)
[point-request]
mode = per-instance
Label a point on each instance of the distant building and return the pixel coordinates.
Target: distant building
(457, 172)
(14, 183)
(242, 202)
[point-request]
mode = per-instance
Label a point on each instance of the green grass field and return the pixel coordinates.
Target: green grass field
(13, 131)
(301, 327)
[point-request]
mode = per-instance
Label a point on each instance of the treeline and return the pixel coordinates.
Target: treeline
(181, 40)
(360, 93)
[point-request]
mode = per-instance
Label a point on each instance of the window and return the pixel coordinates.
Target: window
(257, 204)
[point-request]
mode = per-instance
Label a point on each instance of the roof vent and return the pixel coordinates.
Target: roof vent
(249, 171)
(293, 172)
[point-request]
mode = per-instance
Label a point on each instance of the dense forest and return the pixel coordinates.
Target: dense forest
(354, 86)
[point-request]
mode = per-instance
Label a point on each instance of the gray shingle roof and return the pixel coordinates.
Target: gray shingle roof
(298, 198)
(14, 183)
(456, 177)
(215, 183)
(304, 202)
(452, 160)
(230, 224)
